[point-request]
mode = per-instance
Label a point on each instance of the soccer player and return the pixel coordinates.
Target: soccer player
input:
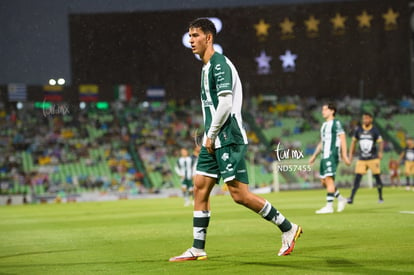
(184, 168)
(332, 144)
(394, 169)
(408, 156)
(224, 145)
(367, 136)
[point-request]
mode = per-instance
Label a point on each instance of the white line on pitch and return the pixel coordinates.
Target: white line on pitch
(407, 212)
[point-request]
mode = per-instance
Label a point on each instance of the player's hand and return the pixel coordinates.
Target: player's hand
(210, 145)
(312, 159)
(347, 161)
(380, 155)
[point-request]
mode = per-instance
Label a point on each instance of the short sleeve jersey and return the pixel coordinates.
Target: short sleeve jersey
(367, 140)
(330, 132)
(409, 154)
(184, 167)
(219, 76)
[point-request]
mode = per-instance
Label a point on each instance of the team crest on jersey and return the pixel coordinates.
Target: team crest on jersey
(207, 103)
(225, 156)
(410, 155)
(366, 145)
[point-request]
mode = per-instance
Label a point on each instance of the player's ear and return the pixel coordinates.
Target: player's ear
(209, 37)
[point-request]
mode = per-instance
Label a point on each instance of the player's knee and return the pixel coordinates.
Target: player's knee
(238, 198)
(196, 190)
(240, 201)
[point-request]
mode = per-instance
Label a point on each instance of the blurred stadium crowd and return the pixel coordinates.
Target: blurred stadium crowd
(131, 148)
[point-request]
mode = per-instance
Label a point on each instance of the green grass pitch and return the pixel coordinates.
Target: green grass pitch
(139, 236)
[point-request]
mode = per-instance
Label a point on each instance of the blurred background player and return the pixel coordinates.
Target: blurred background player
(394, 168)
(407, 155)
(185, 169)
(333, 142)
(194, 156)
(367, 136)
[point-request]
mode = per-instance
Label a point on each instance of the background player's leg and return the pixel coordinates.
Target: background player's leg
(407, 176)
(185, 194)
(379, 187)
(357, 182)
(329, 183)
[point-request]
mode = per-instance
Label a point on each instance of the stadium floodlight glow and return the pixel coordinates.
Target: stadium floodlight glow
(218, 48)
(19, 105)
(52, 82)
(82, 105)
(217, 23)
(61, 81)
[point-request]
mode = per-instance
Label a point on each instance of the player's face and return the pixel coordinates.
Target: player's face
(184, 152)
(366, 120)
(198, 41)
(326, 112)
(410, 143)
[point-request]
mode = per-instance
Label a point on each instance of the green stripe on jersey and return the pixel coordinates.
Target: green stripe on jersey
(329, 136)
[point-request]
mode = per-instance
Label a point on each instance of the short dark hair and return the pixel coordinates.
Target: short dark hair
(205, 25)
(331, 106)
(367, 114)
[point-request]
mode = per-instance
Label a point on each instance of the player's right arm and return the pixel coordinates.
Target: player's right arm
(352, 149)
(178, 169)
(355, 139)
(316, 153)
(343, 149)
(402, 155)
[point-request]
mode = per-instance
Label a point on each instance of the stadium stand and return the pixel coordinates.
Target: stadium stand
(133, 149)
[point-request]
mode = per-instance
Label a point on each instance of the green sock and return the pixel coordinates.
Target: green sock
(330, 198)
(201, 220)
(271, 214)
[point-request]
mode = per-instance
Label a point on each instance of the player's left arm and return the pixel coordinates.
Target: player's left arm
(222, 113)
(380, 143)
(223, 78)
(315, 153)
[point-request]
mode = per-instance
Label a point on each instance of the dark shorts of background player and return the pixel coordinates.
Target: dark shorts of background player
(187, 184)
(226, 162)
(328, 167)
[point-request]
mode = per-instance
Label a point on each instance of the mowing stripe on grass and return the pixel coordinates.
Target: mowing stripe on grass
(407, 212)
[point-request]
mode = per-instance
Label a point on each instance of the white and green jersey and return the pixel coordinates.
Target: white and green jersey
(184, 167)
(331, 143)
(219, 76)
